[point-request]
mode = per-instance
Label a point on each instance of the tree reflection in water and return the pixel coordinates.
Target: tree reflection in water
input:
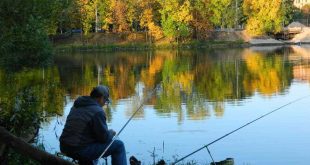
(195, 84)
(200, 80)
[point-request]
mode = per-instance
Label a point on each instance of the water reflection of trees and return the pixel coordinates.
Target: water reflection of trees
(27, 97)
(216, 78)
(194, 83)
(267, 74)
(119, 72)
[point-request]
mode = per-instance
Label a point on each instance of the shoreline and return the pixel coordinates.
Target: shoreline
(182, 46)
(147, 46)
(108, 42)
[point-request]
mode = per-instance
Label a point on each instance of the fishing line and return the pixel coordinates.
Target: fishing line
(132, 116)
(216, 140)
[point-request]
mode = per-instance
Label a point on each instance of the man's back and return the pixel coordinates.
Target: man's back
(86, 135)
(85, 121)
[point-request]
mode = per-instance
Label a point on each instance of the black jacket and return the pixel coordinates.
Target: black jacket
(86, 124)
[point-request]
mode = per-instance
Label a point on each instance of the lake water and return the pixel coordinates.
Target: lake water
(202, 96)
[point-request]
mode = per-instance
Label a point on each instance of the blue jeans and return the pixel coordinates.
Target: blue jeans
(93, 151)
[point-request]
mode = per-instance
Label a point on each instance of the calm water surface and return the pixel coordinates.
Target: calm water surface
(203, 95)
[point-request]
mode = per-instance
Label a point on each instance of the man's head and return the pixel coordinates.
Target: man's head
(101, 94)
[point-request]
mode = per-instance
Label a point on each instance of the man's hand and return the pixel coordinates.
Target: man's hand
(112, 132)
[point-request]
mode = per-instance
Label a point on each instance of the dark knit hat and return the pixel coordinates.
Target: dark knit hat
(99, 91)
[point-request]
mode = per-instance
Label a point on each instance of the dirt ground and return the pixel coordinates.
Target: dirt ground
(302, 37)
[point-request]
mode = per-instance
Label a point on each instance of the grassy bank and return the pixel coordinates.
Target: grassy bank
(140, 41)
(147, 46)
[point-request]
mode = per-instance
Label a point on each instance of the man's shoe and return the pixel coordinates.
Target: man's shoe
(134, 161)
(161, 162)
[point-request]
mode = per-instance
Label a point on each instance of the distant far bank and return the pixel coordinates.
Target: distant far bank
(141, 41)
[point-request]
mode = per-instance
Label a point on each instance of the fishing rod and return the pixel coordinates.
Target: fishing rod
(141, 105)
(229, 133)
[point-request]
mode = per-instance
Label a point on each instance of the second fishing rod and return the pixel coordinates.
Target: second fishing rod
(150, 94)
(237, 129)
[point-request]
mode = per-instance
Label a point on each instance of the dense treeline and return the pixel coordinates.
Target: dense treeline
(26, 25)
(23, 31)
(171, 18)
(191, 77)
(174, 18)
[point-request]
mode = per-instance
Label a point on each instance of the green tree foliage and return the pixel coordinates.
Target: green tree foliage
(223, 13)
(103, 13)
(175, 18)
(287, 10)
(133, 13)
(22, 29)
(168, 8)
(265, 16)
(181, 18)
(87, 11)
(25, 26)
(65, 15)
(58, 15)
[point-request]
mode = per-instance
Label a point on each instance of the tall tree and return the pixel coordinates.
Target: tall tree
(133, 13)
(119, 16)
(223, 13)
(200, 23)
(88, 14)
(23, 30)
(105, 13)
(64, 16)
(264, 16)
(175, 18)
(149, 19)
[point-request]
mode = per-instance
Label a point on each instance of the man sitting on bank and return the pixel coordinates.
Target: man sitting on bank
(86, 134)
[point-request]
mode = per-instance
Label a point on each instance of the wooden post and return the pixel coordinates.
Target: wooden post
(20, 146)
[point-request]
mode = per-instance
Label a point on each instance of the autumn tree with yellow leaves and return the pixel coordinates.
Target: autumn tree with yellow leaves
(182, 19)
(175, 18)
(149, 18)
(265, 16)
